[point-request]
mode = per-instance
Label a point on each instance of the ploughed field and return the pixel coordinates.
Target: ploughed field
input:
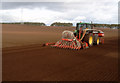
(25, 59)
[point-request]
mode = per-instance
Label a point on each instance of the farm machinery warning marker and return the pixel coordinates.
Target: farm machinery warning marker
(83, 37)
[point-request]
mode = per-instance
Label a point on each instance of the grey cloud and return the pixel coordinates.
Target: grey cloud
(119, 12)
(70, 11)
(56, 6)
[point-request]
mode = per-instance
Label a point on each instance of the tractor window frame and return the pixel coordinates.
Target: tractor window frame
(89, 26)
(80, 25)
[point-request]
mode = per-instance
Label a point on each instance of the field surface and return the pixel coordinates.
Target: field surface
(25, 59)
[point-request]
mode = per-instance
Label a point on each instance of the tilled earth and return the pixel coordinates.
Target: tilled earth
(34, 62)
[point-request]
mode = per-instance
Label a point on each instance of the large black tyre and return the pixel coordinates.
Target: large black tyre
(89, 39)
(96, 39)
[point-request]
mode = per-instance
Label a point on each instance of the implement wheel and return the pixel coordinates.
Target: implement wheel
(89, 39)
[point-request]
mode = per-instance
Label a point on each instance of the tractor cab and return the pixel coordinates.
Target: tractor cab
(82, 26)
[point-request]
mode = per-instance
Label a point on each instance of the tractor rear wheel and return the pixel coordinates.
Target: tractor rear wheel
(96, 40)
(89, 39)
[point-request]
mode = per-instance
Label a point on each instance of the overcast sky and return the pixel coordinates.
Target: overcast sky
(98, 11)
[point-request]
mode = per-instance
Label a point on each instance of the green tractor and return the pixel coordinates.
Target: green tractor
(86, 33)
(83, 37)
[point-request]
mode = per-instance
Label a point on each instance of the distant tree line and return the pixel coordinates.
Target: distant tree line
(65, 24)
(35, 23)
(61, 24)
(28, 23)
(107, 25)
(11, 23)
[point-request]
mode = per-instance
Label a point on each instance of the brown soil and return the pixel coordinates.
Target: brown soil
(24, 58)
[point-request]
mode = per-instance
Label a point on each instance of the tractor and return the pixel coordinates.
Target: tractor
(83, 37)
